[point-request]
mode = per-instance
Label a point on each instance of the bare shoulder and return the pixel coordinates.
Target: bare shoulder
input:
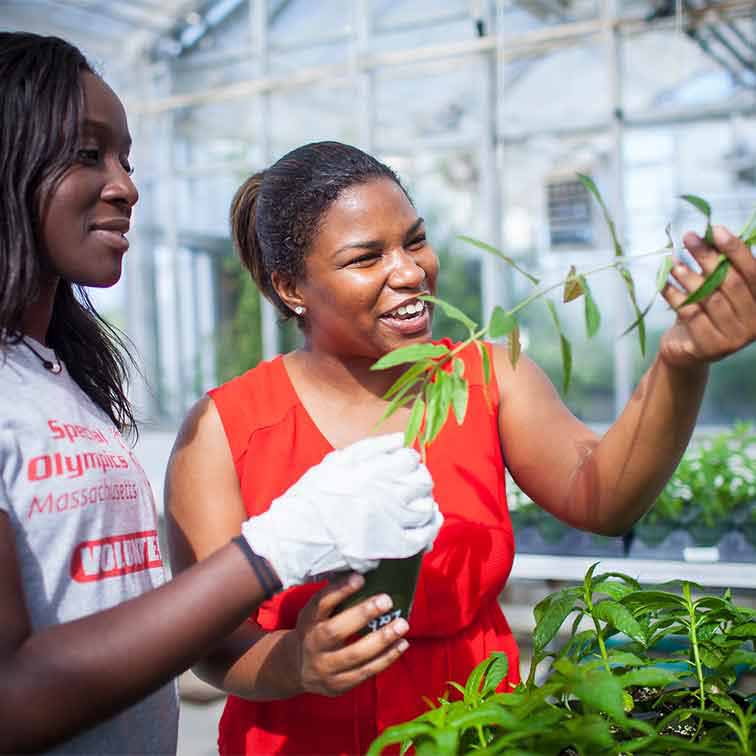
(201, 425)
(202, 493)
(201, 448)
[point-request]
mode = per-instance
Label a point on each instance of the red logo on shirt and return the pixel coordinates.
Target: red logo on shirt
(116, 555)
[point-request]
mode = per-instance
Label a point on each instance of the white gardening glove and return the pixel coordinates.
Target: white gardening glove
(369, 501)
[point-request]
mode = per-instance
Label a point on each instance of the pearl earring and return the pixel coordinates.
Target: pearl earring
(299, 310)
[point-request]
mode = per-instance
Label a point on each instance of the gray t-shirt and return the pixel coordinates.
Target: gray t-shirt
(85, 526)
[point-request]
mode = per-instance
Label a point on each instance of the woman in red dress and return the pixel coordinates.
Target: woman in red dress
(331, 237)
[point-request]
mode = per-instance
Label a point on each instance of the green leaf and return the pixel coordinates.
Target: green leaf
(590, 185)
(742, 656)
(572, 286)
(662, 274)
(748, 234)
(485, 362)
(603, 692)
(554, 315)
(485, 714)
(698, 203)
(496, 672)
(651, 677)
(566, 351)
(398, 401)
(705, 208)
(438, 400)
(415, 421)
(407, 378)
(620, 618)
(515, 348)
(711, 657)
(710, 284)
(475, 678)
(724, 702)
(451, 311)
(746, 630)
(624, 658)
(639, 316)
(397, 734)
(459, 688)
(588, 580)
(501, 323)
(661, 281)
(565, 347)
(499, 254)
(410, 353)
(655, 600)
(620, 579)
(460, 395)
(637, 323)
(557, 611)
(592, 314)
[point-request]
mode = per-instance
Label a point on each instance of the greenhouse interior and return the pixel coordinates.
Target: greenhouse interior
(560, 133)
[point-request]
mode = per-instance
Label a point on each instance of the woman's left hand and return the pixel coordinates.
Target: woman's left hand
(725, 321)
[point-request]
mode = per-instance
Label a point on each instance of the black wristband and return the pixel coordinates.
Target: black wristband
(267, 578)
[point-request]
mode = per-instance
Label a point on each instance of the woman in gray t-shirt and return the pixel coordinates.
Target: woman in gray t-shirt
(90, 637)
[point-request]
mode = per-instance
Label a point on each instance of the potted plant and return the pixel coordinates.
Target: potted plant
(599, 698)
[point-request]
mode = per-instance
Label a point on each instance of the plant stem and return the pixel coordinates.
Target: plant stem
(599, 636)
(694, 643)
(608, 266)
(481, 736)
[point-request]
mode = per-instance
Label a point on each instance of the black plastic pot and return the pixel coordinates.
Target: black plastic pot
(397, 578)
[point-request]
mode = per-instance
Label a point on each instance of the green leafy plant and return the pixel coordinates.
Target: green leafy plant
(434, 382)
(601, 696)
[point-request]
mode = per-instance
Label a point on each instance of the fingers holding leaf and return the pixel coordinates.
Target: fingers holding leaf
(716, 308)
(714, 304)
(739, 254)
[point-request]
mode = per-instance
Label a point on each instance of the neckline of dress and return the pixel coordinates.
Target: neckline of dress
(298, 400)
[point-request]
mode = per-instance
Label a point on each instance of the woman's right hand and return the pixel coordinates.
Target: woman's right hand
(366, 502)
(327, 663)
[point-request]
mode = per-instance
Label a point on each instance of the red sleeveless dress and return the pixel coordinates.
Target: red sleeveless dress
(455, 620)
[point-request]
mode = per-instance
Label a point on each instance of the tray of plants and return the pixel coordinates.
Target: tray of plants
(669, 686)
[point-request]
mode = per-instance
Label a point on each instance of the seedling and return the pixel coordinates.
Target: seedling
(435, 380)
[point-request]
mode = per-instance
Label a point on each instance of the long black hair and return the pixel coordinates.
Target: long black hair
(41, 99)
(277, 212)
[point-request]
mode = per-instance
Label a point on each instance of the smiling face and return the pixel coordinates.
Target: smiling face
(86, 215)
(366, 267)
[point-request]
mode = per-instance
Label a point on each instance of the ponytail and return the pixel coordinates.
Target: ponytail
(243, 217)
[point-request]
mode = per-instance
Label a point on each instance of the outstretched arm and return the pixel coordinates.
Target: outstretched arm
(605, 484)
(58, 681)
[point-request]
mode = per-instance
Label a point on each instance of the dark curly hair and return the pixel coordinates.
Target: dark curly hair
(41, 100)
(277, 212)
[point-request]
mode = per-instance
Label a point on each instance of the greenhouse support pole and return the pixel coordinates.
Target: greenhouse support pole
(168, 136)
(364, 77)
(141, 302)
(622, 313)
(493, 282)
(258, 15)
